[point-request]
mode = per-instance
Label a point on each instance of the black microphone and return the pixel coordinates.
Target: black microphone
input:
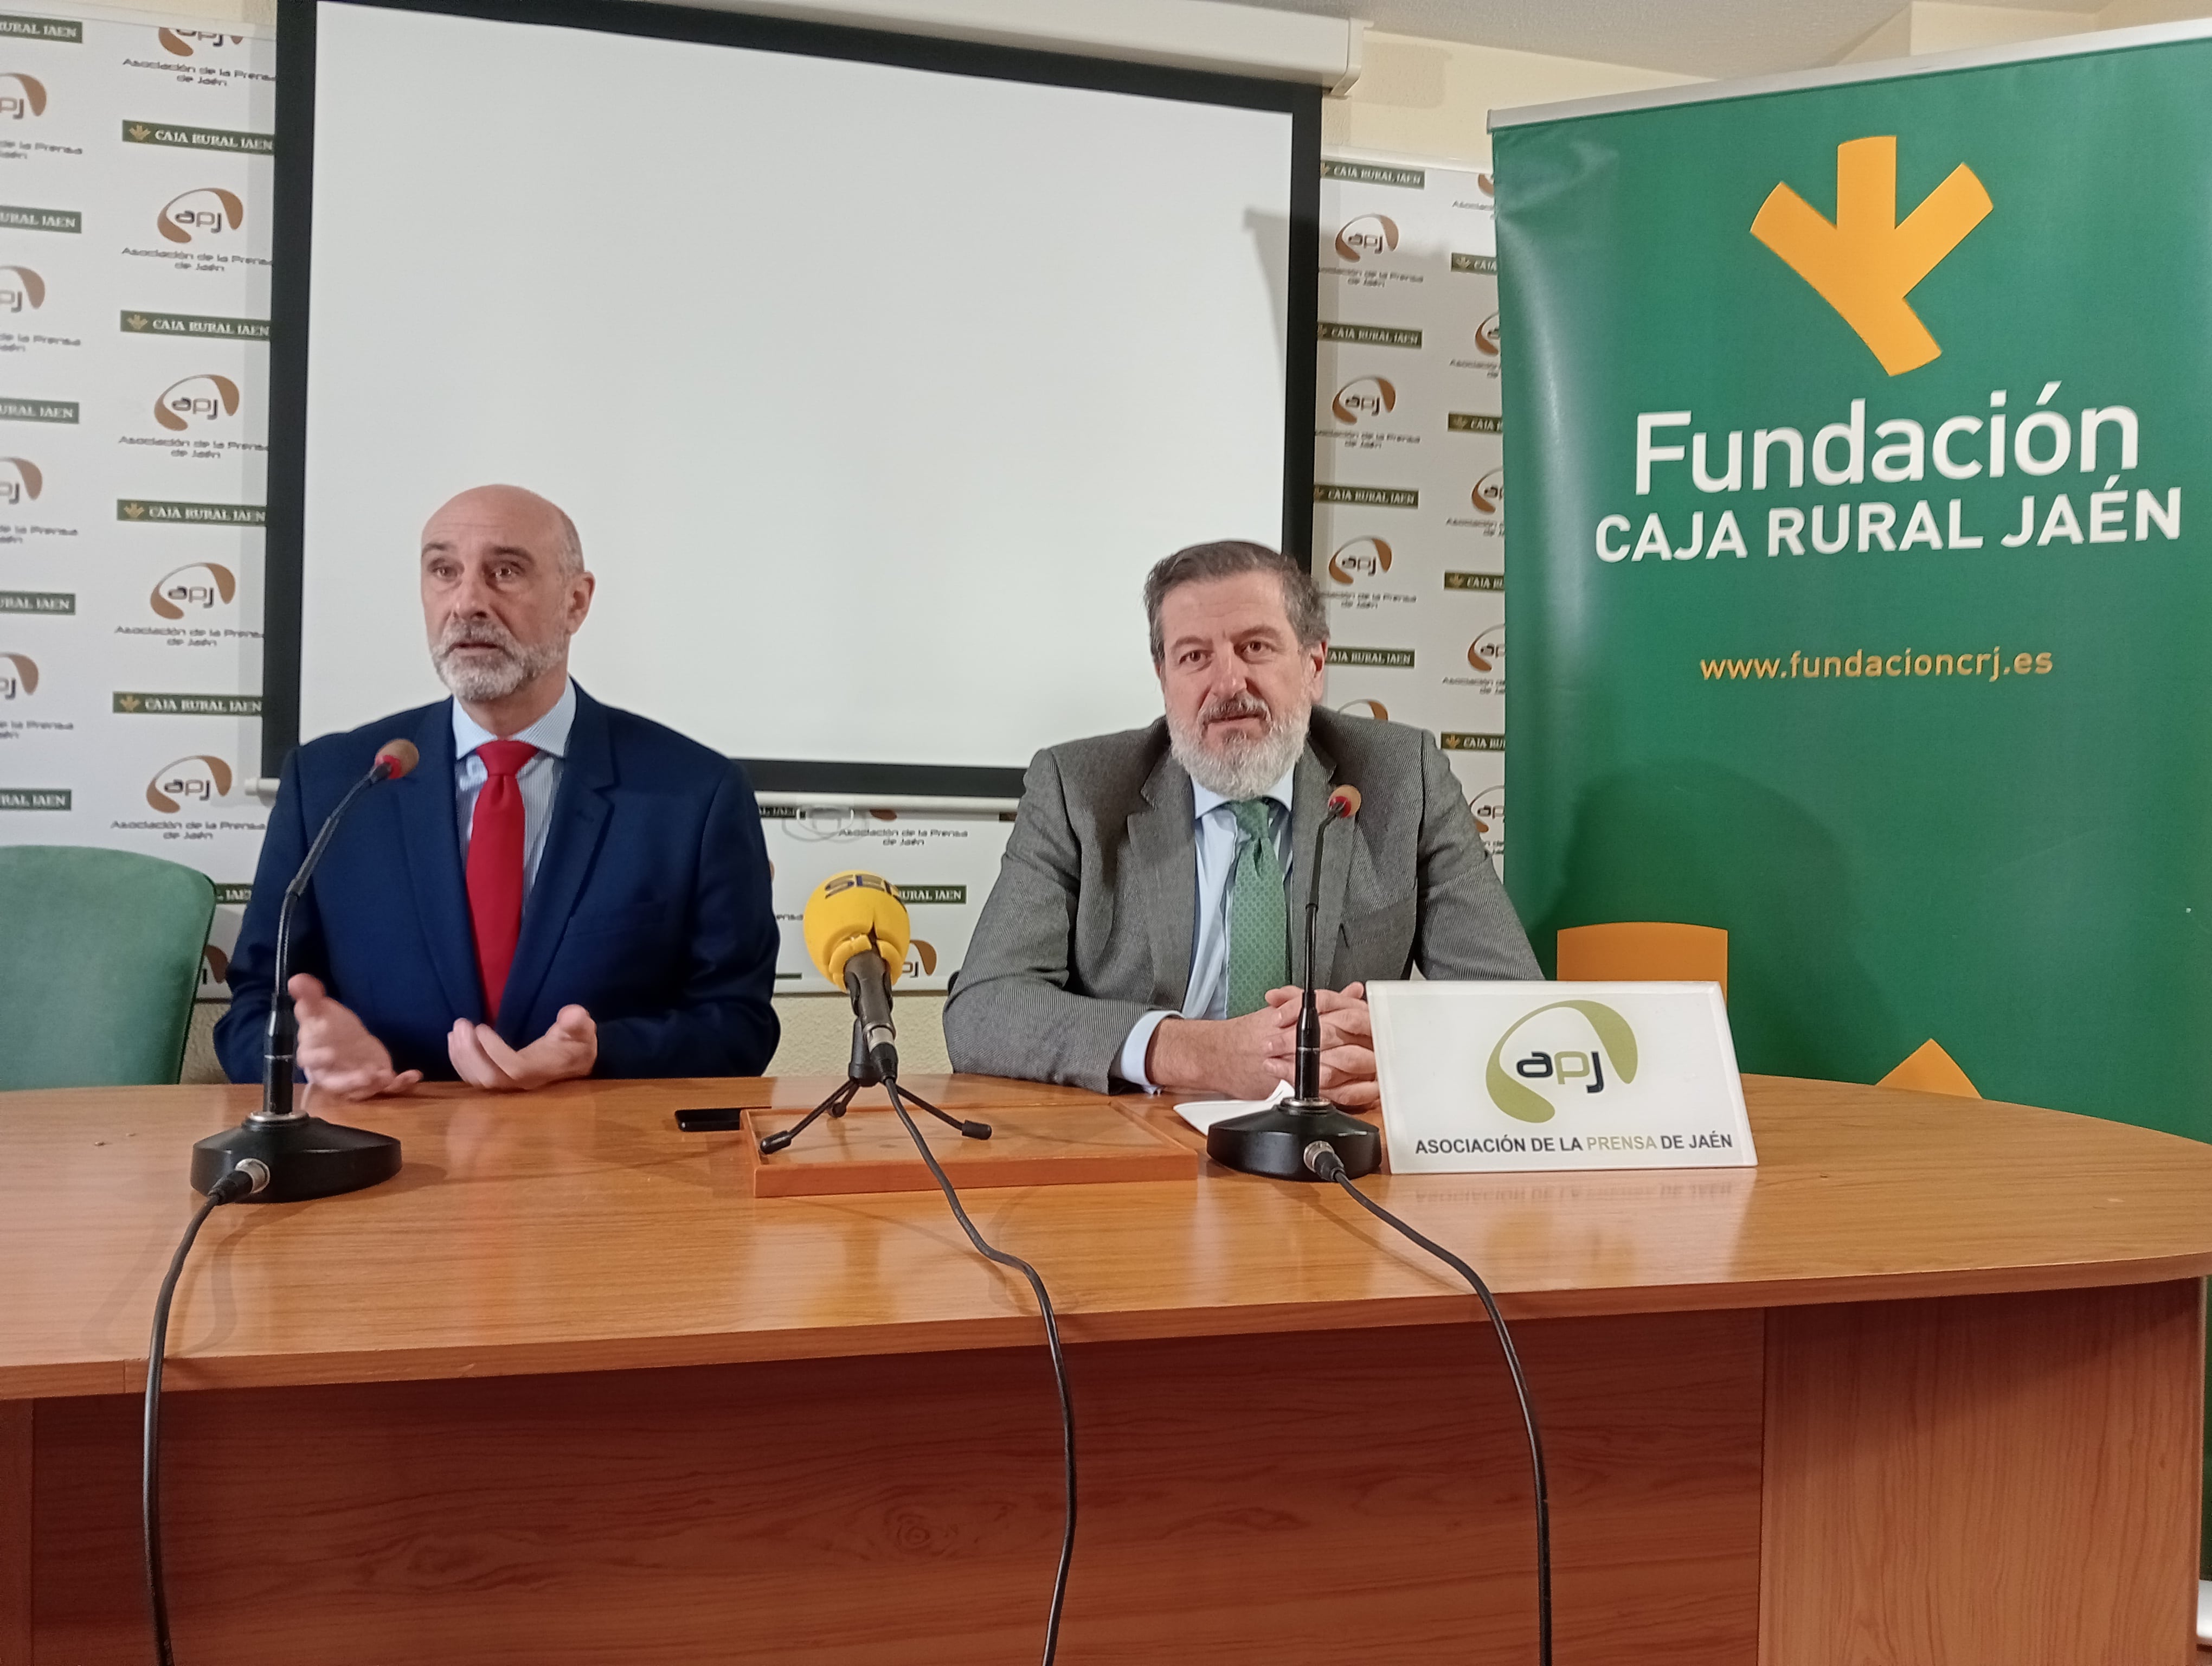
(867, 980)
(1274, 1141)
(280, 1049)
(1343, 805)
(304, 1156)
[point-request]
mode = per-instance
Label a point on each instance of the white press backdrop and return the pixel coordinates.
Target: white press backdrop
(134, 248)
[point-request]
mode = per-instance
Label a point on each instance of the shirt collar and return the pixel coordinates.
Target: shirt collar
(549, 733)
(1207, 800)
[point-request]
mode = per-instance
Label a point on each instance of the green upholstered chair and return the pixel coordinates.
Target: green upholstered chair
(99, 957)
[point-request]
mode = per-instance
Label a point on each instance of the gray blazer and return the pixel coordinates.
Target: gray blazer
(1090, 923)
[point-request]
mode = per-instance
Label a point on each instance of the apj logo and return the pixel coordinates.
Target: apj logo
(19, 674)
(1361, 558)
(1363, 399)
(1866, 263)
(1370, 237)
(1561, 1069)
(202, 585)
(193, 43)
(196, 781)
(206, 211)
(920, 959)
(20, 478)
(1374, 709)
(1486, 653)
(1489, 494)
(1488, 809)
(1485, 337)
(195, 401)
(21, 286)
(20, 96)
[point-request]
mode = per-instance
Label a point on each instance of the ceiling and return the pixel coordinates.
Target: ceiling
(1688, 37)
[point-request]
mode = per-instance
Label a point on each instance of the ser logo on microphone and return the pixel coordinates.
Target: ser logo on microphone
(1583, 1048)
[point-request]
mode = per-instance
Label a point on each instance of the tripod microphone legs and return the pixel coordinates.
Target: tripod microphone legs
(833, 1106)
(859, 1074)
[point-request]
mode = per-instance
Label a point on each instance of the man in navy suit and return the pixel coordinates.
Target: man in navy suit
(559, 888)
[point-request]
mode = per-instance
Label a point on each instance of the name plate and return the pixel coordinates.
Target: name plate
(1514, 1076)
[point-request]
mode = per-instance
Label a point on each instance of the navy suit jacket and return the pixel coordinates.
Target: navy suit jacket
(650, 908)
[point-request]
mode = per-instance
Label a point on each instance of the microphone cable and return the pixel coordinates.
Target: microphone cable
(1324, 1162)
(250, 1177)
(984, 1248)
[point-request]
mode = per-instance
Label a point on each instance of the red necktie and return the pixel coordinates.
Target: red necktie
(495, 865)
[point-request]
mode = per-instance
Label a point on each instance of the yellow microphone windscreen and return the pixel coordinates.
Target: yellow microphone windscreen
(851, 912)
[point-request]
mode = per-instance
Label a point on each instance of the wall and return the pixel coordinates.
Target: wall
(1431, 99)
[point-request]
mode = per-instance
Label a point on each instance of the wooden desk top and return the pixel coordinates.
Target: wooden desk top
(576, 1230)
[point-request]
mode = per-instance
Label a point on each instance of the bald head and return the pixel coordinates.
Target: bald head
(504, 587)
(531, 521)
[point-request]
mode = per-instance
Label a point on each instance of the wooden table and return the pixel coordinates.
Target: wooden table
(1924, 1389)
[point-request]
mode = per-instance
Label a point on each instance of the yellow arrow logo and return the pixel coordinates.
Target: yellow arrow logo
(1866, 263)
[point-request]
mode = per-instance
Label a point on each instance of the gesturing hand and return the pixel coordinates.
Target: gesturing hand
(336, 1051)
(570, 1048)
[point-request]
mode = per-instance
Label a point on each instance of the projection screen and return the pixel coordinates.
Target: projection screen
(875, 371)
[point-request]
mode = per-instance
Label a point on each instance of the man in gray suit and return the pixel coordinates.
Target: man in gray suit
(1147, 925)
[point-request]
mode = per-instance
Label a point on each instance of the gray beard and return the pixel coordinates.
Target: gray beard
(1242, 768)
(521, 663)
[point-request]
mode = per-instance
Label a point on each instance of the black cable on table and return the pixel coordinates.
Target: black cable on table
(1051, 1341)
(1328, 1166)
(247, 1178)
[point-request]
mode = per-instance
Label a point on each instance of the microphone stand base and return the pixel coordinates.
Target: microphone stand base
(1272, 1142)
(307, 1158)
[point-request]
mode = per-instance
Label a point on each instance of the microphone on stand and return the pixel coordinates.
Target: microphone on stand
(304, 1156)
(857, 933)
(1343, 805)
(1273, 1142)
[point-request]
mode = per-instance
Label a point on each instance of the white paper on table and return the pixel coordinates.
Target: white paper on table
(1203, 1114)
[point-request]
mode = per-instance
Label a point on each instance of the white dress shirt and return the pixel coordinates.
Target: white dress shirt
(1219, 843)
(537, 781)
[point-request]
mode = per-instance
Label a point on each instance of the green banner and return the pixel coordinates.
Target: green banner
(1861, 452)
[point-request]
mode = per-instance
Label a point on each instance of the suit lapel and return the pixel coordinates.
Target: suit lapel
(1163, 852)
(430, 833)
(1316, 778)
(577, 818)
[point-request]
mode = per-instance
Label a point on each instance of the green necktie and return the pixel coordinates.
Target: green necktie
(1259, 928)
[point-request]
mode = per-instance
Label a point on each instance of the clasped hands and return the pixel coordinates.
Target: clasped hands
(344, 1060)
(1246, 1057)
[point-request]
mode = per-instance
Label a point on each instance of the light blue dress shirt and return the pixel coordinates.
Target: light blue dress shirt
(1219, 839)
(537, 781)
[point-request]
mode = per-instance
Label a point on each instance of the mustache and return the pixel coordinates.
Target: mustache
(477, 633)
(1234, 706)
